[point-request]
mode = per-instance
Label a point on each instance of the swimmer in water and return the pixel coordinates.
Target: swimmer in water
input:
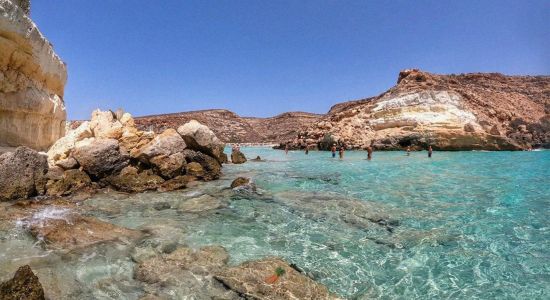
(341, 152)
(408, 150)
(369, 152)
(333, 150)
(307, 149)
(430, 151)
(286, 148)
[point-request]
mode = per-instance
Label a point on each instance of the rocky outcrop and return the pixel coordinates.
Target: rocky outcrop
(448, 112)
(111, 152)
(22, 174)
(32, 81)
(232, 128)
(23, 285)
(237, 157)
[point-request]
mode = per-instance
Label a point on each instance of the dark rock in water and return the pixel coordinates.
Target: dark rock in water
(240, 181)
(258, 158)
(23, 286)
(211, 167)
(22, 174)
(175, 183)
(70, 182)
(250, 279)
(194, 169)
(161, 206)
(130, 181)
(237, 157)
(101, 157)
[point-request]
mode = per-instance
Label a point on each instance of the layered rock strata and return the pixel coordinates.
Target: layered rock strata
(32, 81)
(449, 112)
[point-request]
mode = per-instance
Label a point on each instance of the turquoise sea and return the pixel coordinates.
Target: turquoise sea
(459, 225)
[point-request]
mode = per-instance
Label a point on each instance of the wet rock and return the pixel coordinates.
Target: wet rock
(129, 180)
(240, 181)
(194, 169)
(200, 138)
(22, 174)
(23, 286)
(237, 157)
(65, 230)
(211, 167)
(175, 183)
(169, 166)
(258, 158)
(100, 157)
(161, 206)
(201, 204)
(166, 143)
(249, 279)
(70, 181)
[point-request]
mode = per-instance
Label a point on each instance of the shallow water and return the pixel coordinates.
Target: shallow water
(460, 225)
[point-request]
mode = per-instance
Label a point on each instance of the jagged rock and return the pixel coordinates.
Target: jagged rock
(200, 138)
(169, 166)
(237, 157)
(105, 125)
(166, 143)
(70, 231)
(100, 157)
(201, 204)
(249, 279)
(70, 181)
(67, 163)
(24, 285)
(62, 148)
(194, 169)
(22, 174)
(240, 181)
(32, 81)
(176, 183)
(131, 181)
(211, 167)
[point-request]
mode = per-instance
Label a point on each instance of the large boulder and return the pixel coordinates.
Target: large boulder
(169, 166)
(22, 174)
(237, 157)
(211, 166)
(200, 138)
(105, 125)
(63, 147)
(250, 279)
(100, 157)
(24, 285)
(166, 143)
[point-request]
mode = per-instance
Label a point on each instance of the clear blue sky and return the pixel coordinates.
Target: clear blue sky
(261, 58)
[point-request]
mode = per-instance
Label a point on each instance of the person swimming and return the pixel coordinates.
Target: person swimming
(333, 150)
(369, 152)
(430, 151)
(286, 148)
(408, 150)
(341, 152)
(307, 149)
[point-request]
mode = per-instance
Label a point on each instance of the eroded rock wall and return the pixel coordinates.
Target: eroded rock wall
(32, 81)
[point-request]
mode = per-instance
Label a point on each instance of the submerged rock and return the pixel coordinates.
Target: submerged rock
(23, 286)
(200, 204)
(200, 138)
(250, 279)
(237, 157)
(22, 174)
(60, 229)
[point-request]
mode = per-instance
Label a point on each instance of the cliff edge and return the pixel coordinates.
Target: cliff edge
(32, 81)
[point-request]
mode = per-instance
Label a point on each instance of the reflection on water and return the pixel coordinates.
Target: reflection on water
(459, 225)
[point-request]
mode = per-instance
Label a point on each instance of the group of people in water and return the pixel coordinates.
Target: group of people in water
(341, 149)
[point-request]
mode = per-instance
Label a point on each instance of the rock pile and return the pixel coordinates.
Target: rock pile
(109, 151)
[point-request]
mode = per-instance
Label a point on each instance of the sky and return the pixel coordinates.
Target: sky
(262, 58)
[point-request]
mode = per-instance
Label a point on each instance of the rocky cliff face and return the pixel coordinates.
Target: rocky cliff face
(231, 128)
(32, 80)
(449, 112)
